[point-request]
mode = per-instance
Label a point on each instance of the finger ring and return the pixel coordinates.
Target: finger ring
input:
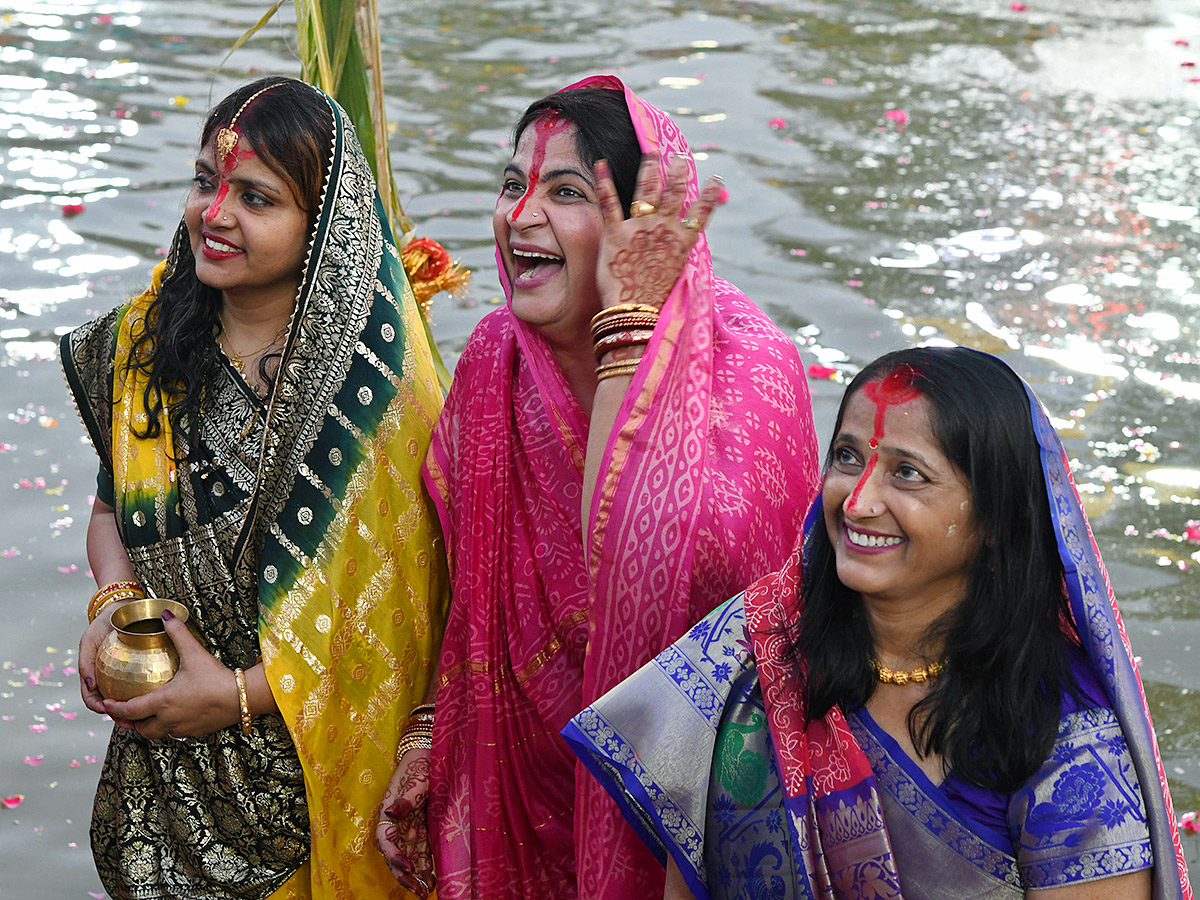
(691, 223)
(642, 208)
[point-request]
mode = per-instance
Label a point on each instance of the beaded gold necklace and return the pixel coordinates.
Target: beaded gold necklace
(902, 676)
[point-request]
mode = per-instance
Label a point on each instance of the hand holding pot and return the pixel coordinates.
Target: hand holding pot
(200, 699)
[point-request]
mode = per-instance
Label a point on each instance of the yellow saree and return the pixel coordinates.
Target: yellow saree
(297, 530)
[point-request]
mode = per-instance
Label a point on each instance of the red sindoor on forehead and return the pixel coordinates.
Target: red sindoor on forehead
(545, 128)
(228, 165)
(896, 388)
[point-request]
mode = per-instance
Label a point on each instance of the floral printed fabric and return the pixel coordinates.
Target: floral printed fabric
(733, 834)
(1082, 817)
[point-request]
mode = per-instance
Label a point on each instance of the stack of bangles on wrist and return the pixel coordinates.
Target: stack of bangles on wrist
(418, 733)
(618, 327)
(112, 593)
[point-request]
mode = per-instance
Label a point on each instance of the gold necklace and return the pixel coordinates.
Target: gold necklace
(902, 676)
(237, 360)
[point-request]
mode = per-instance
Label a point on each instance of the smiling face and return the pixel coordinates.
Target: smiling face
(548, 227)
(897, 510)
(248, 232)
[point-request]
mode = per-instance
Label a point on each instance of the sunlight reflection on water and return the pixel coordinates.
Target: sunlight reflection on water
(924, 172)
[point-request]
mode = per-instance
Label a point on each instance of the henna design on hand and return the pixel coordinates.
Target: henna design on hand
(647, 269)
(405, 828)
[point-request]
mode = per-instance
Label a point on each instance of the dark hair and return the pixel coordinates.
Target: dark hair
(290, 128)
(603, 130)
(993, 712)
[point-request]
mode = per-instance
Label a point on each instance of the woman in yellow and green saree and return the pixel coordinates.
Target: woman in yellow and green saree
(261, 413)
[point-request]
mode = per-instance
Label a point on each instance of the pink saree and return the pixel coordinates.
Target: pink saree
(710, 465)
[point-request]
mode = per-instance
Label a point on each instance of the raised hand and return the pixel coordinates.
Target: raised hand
(403, 832)
(642, 257)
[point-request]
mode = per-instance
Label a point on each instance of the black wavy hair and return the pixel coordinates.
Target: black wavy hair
(290, 127)
(603, 130)
(993, 712)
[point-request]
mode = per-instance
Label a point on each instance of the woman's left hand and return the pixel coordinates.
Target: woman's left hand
(200, 699)
(641, 257)
(403, 831)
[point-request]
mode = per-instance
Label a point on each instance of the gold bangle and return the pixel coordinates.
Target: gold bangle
(617, 340)
(119, 586)
(94, 611)
(617, 369)
(243, 700)
(413, 742)
(110, 593)
(625, 307)
(623, 322)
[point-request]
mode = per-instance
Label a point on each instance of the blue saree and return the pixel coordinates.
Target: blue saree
(706, 752)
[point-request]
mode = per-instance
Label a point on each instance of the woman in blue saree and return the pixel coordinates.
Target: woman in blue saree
(934, 698)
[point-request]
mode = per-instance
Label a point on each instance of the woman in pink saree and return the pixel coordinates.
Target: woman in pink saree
(591, 516)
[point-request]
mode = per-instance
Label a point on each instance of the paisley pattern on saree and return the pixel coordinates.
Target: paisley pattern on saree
(306, 536)
(238, 799)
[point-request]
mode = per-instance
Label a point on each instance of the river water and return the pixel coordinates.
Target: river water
(1018, 178)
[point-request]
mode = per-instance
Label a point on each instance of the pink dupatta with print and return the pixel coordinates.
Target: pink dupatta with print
(711, 462)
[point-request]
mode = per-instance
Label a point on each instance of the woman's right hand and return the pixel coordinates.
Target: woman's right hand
(403, 831)
(89, 646)
(642, 257)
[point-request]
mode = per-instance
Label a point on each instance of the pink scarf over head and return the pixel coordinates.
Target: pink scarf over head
(704, 481)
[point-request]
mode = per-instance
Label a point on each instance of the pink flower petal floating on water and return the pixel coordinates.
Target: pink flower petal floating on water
(1190, 822)
(1181, 42)
(12, 802)
(1192, 532)
(34, 760)
(778, 123)
(1018, 7)
(823, 373)
(71, 210)
(899, 116)
(69, 715)
(37, 729)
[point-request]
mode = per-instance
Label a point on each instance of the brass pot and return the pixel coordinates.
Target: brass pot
(137, 656)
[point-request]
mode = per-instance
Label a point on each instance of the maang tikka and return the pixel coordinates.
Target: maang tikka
(227, 137)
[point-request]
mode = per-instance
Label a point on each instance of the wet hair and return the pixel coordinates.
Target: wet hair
(603, 130)
(290, 128)
(993, 712)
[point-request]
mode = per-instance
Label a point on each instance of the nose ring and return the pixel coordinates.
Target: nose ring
(533, 216)
(874, 510)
